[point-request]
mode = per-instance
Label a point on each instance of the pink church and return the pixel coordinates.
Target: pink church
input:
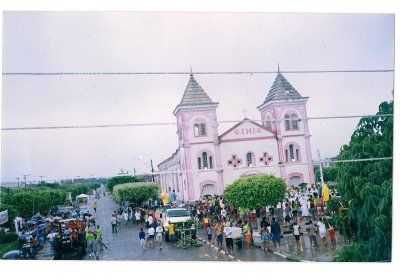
(206, 162)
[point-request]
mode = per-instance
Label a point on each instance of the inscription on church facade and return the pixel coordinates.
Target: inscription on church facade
(247, 131)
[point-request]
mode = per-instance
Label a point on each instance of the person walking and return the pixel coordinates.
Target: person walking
(228, 239)
(150, 237)
(142, 238)
(114, 223)
(265, 235)
(138, 217)
(247, 232)
(94, 206)
(90, 243)
(276, 233)
(209, 233)
(126, 218)
(159, 235)
(322, 231)
(99, 242)
(296, 234)
(219, 235)
(332, 236)
(312, 234)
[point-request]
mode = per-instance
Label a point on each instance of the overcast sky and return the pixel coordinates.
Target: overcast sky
(127, 41)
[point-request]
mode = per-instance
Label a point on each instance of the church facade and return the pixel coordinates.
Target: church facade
(206, 162)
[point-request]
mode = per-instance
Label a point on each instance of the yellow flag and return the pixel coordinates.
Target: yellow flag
(325, 193)
(165, 198)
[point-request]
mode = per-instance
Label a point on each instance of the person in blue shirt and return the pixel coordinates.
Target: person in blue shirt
(142, 237)
(276, 233)
(173, 196)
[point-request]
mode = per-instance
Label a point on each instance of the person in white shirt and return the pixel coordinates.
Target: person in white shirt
(150, 220)
(223, 213)
(296, 233)
(304, 208)
(322, 231)
(137, 217)
(126, 217)
(150, 237)
(159, 233)
(228, 239)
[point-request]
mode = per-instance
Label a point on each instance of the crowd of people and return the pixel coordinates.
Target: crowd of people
(300, 215)
(147, 218)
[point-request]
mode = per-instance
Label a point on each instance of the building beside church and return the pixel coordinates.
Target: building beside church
(206, 161)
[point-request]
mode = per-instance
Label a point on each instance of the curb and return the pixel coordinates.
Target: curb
(286, 256)
(216, 248)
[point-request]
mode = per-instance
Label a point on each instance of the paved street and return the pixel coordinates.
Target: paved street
(125, 245)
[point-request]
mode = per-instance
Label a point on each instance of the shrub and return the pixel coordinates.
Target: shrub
(256, 191)
(118, 180)
(136, 193)
(6, 237)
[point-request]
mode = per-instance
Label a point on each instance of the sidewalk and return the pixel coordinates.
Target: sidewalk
(287, 250)
(309, 253)
(244, 254)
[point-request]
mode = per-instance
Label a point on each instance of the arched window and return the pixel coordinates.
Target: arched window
(205, 161)
(196, 130)
(200, 129)
(291, 121)
(292, 153)
(287, 122)
(204, 157)
(295, 121)
(250, 159)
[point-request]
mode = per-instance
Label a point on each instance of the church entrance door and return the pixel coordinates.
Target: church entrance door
(208, 189)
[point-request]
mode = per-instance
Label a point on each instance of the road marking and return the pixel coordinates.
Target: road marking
(280, 254)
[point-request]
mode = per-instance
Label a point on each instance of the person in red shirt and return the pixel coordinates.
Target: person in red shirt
(332, 236)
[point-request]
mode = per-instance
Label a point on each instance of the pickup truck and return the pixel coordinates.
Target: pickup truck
(174, 216)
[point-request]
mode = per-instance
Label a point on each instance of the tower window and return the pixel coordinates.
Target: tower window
(291, 122)
(295, 122)
(200, 129)
(287, 122)
(292, 153)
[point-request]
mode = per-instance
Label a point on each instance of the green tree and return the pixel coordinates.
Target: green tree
(366, 190)
(117, 180)
(255, 191)
(136, 193)
(329, 173)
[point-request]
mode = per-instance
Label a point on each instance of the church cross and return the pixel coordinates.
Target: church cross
(266, 158)
(234, 161)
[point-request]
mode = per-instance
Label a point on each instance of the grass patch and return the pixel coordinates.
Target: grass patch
(4, 248)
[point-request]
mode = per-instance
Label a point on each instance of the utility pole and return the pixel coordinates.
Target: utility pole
(321, 174)
(18, 182)
(25, 175)
(152, 170)
(41, 179)
(134, 172)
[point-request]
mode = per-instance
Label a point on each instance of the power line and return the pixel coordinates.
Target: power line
(174, 123)
(197, 73)
(269, 166)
